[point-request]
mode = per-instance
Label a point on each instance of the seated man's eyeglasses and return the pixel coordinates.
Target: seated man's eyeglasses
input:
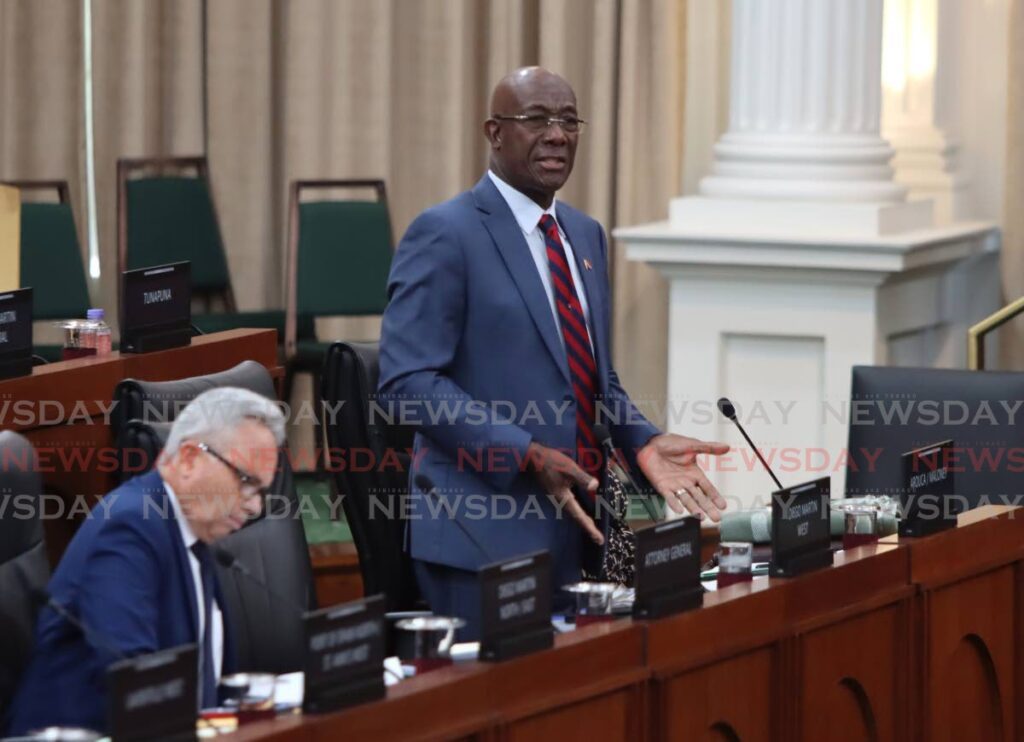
(249, 485)
(540, 122)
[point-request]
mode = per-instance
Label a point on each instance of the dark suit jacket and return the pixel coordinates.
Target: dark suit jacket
(469, 326)
(126, 576)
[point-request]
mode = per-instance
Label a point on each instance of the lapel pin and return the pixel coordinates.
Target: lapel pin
(587, 264)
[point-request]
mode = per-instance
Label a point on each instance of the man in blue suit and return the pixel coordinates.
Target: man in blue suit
(139, 575)
(496, 344)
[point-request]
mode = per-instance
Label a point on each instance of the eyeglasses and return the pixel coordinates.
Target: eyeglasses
(250, 485)
(539, 122)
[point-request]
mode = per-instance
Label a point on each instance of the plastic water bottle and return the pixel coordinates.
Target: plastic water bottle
(101, 330)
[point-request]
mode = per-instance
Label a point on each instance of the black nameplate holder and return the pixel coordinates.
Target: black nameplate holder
(15, 333)
(154, 696)
(801, 535)
(156, 308)
(344, 655)
(668, 568)
(515, 615)
(927, 494)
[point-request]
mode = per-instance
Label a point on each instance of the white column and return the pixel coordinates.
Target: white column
(804, 125)
(920, 46)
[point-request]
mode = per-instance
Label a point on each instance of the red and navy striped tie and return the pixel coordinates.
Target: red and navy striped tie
(582, 368)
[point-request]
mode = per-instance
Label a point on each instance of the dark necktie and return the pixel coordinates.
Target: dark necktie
(207, 677)
(582, 368)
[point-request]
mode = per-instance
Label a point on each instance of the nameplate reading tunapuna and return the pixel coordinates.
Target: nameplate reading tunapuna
(801, 536)
(154, 696)
(668, 568)
(344, 655)
(156, 308)
(515, 611)
(928, 501)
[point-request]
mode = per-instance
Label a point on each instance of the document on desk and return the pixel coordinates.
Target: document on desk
(289, 690)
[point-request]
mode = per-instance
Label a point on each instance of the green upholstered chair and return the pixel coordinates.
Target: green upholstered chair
(165, 213)
(51, 258)
(339, 256)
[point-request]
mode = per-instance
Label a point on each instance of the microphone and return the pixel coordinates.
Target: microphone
(96, 640)
(229, 561)
(726, 408)
(605, 437)
(424, 483)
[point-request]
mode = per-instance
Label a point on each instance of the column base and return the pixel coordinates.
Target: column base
(803, 218)
(777, 324)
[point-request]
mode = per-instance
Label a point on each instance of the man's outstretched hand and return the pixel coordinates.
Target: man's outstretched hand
(669, 462)
(557, 474)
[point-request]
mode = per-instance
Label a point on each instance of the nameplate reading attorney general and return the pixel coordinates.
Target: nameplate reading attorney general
(156, 308)
(801, 537)
(15, 333)
(154, 696)
(344, 655)
(515, 613)
(927, 499)
(668, 568)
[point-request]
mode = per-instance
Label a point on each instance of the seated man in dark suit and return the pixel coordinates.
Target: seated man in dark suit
(139, 574)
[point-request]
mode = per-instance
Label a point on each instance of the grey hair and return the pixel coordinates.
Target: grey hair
(218, 411)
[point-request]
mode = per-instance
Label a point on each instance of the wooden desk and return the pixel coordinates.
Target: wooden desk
(64, 410)
(590, 686)
(899, 640)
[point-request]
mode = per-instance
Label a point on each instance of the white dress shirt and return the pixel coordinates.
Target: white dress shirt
(528, 213)
(217, 637)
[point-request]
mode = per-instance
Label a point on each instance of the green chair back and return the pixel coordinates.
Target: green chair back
(51, 261)
(344, 257)
(171, 219)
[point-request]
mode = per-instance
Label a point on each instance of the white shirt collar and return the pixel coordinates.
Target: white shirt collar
(526, 211)
(187, 534)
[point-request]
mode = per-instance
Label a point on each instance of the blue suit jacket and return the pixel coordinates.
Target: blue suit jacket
(470, 344)
(126, 576)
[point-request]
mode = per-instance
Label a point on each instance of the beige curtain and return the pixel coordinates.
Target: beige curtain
(1011, 336)
(41, 95)
(147, 99)
(649, 172)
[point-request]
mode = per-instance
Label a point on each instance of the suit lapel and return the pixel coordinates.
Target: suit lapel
(583, 254)
(514, 251)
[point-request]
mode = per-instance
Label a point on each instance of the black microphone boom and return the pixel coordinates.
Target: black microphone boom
(230, 561)
(605, 437)
(726, 408)
(96, 640)
(424, 483)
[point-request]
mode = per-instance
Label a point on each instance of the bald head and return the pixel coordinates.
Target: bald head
(519, 87)
(532, 156)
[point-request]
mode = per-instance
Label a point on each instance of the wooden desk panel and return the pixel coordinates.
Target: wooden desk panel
(969, 659)
(849, 655)
(851, 685)
(837, 634)
(714, 671)
(594, 679)
(967, 651)
(730, 699)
